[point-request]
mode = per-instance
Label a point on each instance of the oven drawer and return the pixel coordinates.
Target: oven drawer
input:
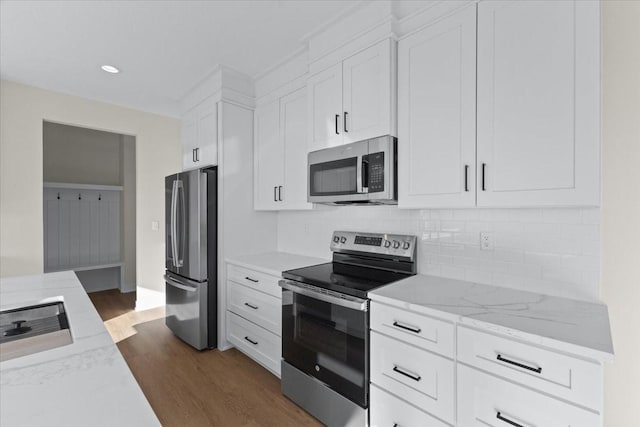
(572, 379)
(256, 342)
(490, 401)
(423, 379)
(387, 410)
(254, 279)
(422, 331)
(262, 309)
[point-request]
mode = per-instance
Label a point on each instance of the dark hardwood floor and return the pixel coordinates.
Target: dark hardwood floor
(187, 387)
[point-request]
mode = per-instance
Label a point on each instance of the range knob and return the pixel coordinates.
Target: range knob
(387, 243)
(336, 239)
(406, 245)
(343, 239)
(396, 244)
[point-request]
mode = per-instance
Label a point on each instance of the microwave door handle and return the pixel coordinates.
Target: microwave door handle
(361, 185)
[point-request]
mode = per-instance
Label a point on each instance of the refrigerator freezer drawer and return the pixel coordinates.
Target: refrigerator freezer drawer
(186, 310)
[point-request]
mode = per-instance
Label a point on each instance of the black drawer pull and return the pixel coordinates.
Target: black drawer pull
(406, 374)
(255, 307)
(251, 341)
(396, 425)
(507, 420)
(407, 328)
(484, 166)
(466, 177)
(251, 280)
(337, 118)
(519, 365)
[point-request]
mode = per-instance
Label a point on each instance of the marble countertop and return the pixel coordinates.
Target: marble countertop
(274, 263)
(85, 383)
(574, 326)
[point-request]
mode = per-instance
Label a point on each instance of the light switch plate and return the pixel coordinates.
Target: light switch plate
(155, 225)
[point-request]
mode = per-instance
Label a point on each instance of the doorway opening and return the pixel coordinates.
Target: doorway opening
(89, 206)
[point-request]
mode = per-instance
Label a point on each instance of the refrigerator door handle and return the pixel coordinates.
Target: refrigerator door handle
(179, 285)
(174, 240)
(180, 242)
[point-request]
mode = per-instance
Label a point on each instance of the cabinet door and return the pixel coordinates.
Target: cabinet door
(324, 91)
(436, 109)
(269, 157)
(367, 93)
(538, 103)
(207, 145)
(189, 138)
(293, 128)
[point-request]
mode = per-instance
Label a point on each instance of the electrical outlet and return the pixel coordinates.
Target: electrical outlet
(486, 241)
(155, 225)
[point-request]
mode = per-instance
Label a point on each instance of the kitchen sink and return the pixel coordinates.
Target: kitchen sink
(32, 329)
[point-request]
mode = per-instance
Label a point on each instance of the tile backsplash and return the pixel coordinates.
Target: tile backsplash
(554, 251)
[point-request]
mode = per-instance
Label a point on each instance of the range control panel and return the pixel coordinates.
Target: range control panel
(376, 243)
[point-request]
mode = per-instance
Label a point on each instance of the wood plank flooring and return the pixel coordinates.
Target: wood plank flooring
(187, 387)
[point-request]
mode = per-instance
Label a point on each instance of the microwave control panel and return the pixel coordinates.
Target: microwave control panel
(375, 171)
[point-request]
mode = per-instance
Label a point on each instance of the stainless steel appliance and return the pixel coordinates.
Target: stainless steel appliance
(191, 256)
(325, 323)
(362, 172)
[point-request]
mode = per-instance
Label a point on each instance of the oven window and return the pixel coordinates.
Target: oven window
(334, 178)
(327, 341)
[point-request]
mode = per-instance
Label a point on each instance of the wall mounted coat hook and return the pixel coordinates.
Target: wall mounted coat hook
(99, 196)
(58, 196)
(79, 196)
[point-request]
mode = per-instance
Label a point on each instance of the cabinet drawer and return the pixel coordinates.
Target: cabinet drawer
(254, 279)
(422, 331)
(261, 345)
(421, 378)
(572, 379)
(387, 410)
(262, 309)
(489, 401)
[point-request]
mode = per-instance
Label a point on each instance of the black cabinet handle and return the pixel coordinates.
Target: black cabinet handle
(337, 118)
(507, 420)
(251, 280)
(344, 121)
(280, 193)
(275, 197)
(193, 155)
(466, 177)
(484, 165)
(251, 341)
(519, 365)
(255, 307)
(407, 374)
(407, 328)
(396, 425)
(198, 154)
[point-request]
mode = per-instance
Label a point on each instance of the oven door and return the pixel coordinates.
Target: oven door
(326, 336)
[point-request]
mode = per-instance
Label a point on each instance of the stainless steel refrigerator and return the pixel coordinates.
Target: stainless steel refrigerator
(191, 256)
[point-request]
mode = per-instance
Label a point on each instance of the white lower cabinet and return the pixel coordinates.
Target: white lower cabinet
(254, 313)
(256, 342)
(389, 411)
(485, 400)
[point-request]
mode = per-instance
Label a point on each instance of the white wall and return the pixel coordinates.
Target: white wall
(23, 109)
(555, 251)
(80, 155)
(621, 207)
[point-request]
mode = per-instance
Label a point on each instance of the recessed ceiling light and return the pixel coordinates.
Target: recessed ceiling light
(110, 69)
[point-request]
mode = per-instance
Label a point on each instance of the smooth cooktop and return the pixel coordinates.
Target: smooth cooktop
(347, 279)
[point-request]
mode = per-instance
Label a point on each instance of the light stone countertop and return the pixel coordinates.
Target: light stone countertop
(274, 263)
(574, 326)
(85, 383)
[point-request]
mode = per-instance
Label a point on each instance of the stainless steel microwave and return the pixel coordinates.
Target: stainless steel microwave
(357, 173)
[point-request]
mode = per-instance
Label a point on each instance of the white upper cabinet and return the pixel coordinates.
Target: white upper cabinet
(367, 88)
(436, 114)
(353, 100)
(325, 108)
(269, 156)
(538, 103)
(281, 153)
(200, 135)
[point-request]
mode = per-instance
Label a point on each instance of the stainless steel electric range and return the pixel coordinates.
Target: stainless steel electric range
(325, 323)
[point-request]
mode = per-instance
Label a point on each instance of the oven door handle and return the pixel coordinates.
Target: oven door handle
(346, 301)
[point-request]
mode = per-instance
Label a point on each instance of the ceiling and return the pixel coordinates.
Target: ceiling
(163, 48)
